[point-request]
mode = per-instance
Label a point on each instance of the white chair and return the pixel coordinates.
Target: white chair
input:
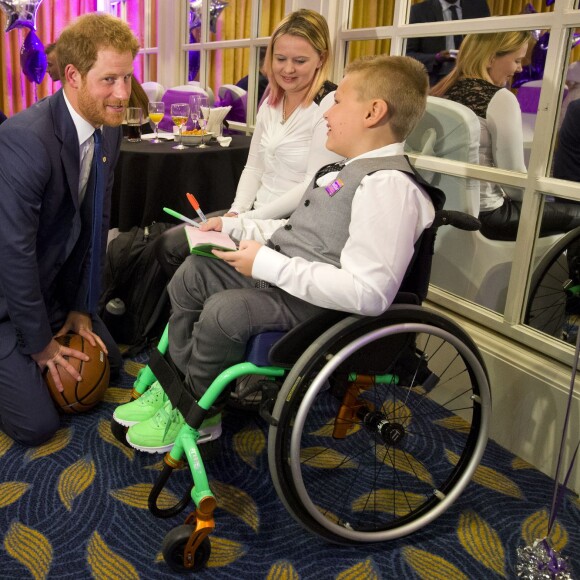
(465, 263)
(153, 90)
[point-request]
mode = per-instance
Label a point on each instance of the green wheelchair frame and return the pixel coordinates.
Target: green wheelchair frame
(428, 376)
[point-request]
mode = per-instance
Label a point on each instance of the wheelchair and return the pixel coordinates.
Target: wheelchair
(375, 427)
(555, 289)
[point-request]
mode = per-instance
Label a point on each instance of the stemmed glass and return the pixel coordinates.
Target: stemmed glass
(156, 113)
(179, 115)
(200, 113)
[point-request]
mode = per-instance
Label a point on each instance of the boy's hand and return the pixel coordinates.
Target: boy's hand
(243, 259)
(212, 224)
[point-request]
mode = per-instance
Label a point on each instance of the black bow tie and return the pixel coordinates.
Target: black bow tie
(328, 168)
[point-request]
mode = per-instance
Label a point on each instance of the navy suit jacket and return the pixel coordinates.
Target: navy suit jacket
(567, 156)
(425, 49)
(40, 221)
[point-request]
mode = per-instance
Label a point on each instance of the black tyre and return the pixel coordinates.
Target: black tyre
(415, 430)
(553, 292)
(174, 545)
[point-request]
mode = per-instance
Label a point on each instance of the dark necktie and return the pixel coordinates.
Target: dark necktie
(454, 16)
(327, 169)
(97, 206)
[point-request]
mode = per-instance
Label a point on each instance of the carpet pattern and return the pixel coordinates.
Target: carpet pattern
(76, 508)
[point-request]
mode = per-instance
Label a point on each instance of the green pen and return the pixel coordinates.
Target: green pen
(180, 217)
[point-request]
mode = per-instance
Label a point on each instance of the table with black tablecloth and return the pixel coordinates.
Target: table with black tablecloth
(150, 176)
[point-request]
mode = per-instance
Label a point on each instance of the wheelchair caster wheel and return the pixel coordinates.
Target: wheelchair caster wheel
(174, 546)
(119, 433)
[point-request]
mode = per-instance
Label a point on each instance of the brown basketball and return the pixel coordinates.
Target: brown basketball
(80, 396)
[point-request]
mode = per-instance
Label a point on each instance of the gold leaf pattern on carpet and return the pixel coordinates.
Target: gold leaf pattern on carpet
(490, 478)
(397, 410)
(236, 502)
(430, 566)
(30, 548)
(325, 458)
(105, 564)
(519, 463)
(12, 491)
(282, 570)
(137, 496)
(132, 368)
(398, 459)
(224, 552)
(117, 395)
(5, 443)
(454, 423)
(249, 444)
(60, 440)
(74, 480)
(328, 429)
(360, 571)
(388, 501)
(106, 434)
(481, 541)
(535, 527)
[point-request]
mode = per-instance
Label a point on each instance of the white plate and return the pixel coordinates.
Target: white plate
(162, 136)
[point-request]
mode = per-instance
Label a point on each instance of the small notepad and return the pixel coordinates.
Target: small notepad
(202, 243)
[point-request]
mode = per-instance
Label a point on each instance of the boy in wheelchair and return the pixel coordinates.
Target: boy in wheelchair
(346, 247)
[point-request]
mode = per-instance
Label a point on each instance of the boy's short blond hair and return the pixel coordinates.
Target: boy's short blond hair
(400, 81)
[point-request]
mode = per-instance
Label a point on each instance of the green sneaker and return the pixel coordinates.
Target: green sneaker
(142, 408)
(158, 434)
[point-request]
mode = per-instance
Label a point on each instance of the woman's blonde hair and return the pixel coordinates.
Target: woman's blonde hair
(475, 56)
(311, 26)
(400, 81)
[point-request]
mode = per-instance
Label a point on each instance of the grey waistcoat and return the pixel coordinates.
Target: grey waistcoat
(318, 229)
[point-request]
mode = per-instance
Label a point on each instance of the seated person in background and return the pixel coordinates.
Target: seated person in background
(485, 65)
(567, 156)
(262, 78)
(435, 52)
(288, 142)
(346, 247)
(52, 62)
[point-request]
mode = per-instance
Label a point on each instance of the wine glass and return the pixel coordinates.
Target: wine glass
(156, 113)
(203, 117)
(179, 115)
(194, 108)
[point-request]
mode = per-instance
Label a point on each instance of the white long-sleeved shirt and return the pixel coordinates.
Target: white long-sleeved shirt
(501, 145)
(282, 160)
(389, 213)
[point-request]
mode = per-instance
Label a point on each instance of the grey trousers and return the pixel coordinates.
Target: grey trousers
(215, 311)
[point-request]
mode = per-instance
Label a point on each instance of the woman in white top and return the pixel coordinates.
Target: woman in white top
(485, 65)
(288, 144)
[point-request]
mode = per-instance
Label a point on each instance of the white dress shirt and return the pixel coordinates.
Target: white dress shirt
(282, 160)
(85, 134)
(389, 213)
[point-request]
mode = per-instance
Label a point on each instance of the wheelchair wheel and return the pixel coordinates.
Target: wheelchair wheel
(555, 290)
(382, 422)
(174, 544)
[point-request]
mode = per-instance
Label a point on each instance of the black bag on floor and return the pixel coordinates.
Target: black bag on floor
(134, 304)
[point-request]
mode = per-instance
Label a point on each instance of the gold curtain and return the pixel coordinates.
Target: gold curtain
(367, 14)
(51, 17)
(228, 66)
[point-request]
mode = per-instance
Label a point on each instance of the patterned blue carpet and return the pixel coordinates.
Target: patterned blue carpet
(76, 508)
